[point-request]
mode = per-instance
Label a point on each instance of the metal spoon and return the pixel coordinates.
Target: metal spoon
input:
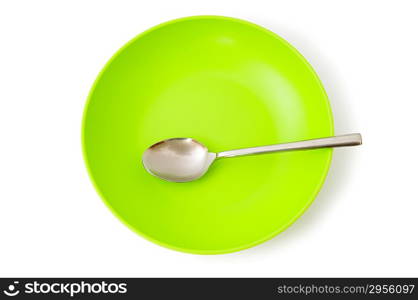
(185, 159)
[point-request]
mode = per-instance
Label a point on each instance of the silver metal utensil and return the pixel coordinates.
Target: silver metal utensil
(185, 159)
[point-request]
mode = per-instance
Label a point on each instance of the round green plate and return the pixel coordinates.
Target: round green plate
(229, 84)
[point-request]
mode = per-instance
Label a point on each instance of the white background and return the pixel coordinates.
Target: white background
(364, 221)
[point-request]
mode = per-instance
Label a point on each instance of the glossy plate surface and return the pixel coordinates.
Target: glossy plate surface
(228, 84)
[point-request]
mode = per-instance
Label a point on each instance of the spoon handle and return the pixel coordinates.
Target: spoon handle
(353, 139)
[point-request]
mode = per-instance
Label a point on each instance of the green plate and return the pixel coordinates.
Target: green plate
(229, 84)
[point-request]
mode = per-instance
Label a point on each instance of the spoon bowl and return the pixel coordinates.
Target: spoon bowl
(178, 159)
